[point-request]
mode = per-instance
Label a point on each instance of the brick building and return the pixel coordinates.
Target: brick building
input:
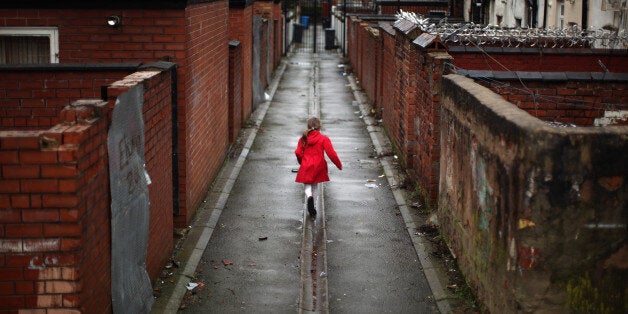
(64, 66)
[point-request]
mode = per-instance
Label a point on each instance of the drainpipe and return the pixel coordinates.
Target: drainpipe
(585, 14)
(545, 15)
(451, 8)
(175, 141)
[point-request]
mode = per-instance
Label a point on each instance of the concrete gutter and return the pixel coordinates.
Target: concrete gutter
(313, 294)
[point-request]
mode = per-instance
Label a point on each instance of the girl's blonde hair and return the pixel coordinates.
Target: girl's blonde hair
(313, 123)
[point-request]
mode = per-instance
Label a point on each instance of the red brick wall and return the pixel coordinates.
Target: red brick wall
(370, 58)
(241, 29)
(235, 90)
(410, 107)
(579, 103)
(34, 99)
(360, 39)
(556, 60)
(55, 204)
(194, 38)
(84, 37)
(387, 95)
(392, 119)
(425, 133)
(204, 140)
(408, 94)
(352, 49)
(55, 215)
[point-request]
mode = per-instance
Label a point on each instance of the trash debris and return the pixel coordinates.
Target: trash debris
(371, 185)
(323, 274)
(433, 219)
(295, 169)
(416, 205)
(227, 263)
(371, 180)
(383, 175)
(262, 238)
(525, 223)
(191, 285)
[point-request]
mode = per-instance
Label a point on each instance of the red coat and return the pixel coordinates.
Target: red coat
(312, 160)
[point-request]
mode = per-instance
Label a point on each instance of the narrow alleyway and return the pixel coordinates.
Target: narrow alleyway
(254, 249)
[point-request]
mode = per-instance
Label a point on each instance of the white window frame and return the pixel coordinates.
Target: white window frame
(51, 32)
(561, 15)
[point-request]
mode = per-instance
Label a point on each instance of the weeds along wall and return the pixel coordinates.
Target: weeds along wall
(55, 224)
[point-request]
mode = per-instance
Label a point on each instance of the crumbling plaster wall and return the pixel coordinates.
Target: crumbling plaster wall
(536, 215)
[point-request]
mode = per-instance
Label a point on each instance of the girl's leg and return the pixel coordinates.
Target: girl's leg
(315, 191)
(310, 195)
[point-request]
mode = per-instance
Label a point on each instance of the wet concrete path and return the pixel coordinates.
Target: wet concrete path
(258, 251)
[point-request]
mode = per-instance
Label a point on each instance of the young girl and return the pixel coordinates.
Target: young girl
(310, 156)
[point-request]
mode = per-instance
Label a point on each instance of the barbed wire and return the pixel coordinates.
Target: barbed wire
(490, 35)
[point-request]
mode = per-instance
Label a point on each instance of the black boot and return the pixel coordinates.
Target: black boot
(310, 206)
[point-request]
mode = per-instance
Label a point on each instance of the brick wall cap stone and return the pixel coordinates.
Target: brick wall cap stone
(578, 76)
(456, 48)
(527, 75)
(161, 65)
(554, 76)
(387, 27)
(610, 76)
(503, 75)
(405, 26)
(492, 49)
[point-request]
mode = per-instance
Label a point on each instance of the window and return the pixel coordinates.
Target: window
(29, 45)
